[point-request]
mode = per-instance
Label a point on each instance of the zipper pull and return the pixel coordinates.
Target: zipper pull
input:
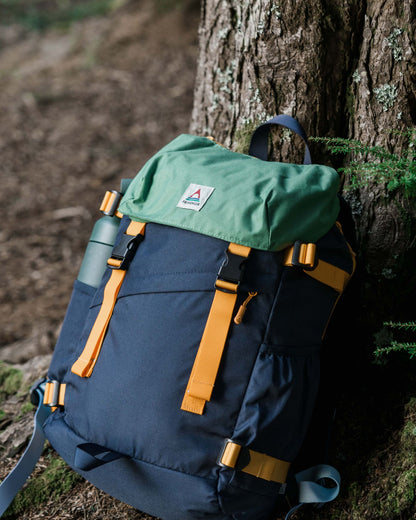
(243, 307)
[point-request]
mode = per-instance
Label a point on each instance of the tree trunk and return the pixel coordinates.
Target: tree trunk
(343, 69)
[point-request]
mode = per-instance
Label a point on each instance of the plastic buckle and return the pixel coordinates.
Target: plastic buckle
(222, 453)
(125, 250)
(36, 389)
(232, 268)
(304, 256)
(55, 393)
(110, 203)
(239, 460)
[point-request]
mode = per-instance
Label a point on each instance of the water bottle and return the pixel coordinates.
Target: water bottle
(101, 241)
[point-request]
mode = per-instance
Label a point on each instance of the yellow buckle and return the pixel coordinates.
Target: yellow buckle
(229, 456)
(54, 394)
(304, 256)
(110, 203)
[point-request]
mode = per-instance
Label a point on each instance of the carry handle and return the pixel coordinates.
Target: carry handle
(89, 456)
(260, 139)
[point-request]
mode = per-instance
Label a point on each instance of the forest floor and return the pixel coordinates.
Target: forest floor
(82, 105)
(81, 108)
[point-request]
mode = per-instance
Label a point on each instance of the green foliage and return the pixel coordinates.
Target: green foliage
(376, 163)
(409, 347)
(41, 14)
(56, 480)
(10, 381)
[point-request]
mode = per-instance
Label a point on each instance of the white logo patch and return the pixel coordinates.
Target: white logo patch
(195, 197)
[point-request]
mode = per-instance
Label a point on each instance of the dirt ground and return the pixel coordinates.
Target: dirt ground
(81, 108)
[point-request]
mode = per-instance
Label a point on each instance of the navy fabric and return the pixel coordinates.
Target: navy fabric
(161, 492)
(263, 396)
(139, 349)
(72, 326)
(259, 144)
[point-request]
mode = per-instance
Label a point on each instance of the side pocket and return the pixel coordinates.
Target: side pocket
(81, 298)
(279, 400)
(273, 420)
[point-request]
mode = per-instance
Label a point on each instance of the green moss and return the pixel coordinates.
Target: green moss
(393, 42)
(56, 480)
(390, 488)
(243, 135)
(386, 95)
(10, 381)
(26, 407)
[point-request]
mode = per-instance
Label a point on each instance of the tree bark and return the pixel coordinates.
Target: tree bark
(342, 69)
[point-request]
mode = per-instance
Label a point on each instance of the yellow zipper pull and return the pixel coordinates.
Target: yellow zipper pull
(243, 307)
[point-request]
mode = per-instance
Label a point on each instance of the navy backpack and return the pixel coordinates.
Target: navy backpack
(187, 368)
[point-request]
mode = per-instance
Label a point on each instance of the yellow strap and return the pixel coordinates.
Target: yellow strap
(330, 275)
(48, 398)
(84, 365)
(324, 272)
(207, 361)
(260, 465)
(135, 228)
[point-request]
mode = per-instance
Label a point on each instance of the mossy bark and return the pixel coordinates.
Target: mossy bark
(344, 69)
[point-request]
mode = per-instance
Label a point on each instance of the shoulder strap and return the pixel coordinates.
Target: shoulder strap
(260, 139)
(12, 484)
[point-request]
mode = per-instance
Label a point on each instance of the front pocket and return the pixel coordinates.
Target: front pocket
(140, 378)
(146, 359)
(279, 400)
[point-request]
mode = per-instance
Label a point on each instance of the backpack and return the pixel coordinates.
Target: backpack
(187, 368)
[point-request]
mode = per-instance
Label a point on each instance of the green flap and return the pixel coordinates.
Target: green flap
(195, 184)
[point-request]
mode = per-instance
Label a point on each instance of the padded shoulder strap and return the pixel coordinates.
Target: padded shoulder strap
(12, 484)
(260, 139)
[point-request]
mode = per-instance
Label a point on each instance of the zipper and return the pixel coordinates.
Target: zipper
(238, 318)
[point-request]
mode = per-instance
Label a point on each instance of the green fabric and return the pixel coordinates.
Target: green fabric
(264, 205)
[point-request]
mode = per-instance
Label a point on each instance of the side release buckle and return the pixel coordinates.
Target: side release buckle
(124, 251)
(231, 270)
